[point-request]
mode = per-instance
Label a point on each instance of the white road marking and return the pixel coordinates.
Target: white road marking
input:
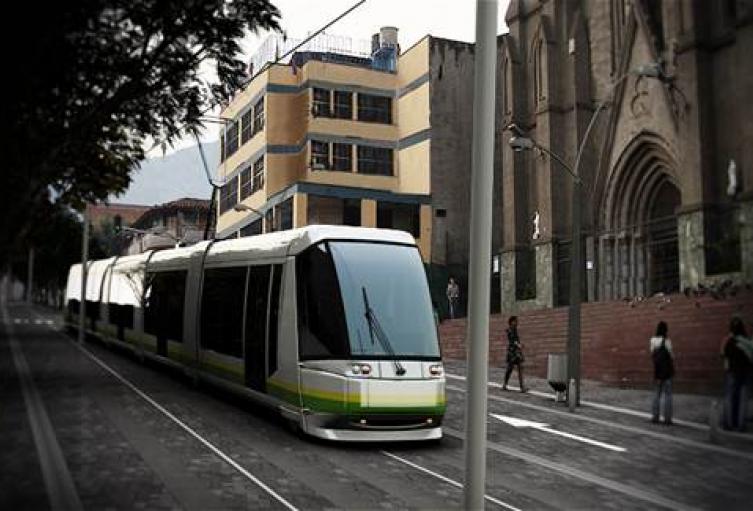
(446, 479)
(592, 404)
(616, 425)
(540, 426)
(186, 428)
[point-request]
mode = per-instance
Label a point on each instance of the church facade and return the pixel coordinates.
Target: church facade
(667, 170)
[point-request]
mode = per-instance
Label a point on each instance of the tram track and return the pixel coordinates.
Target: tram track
(206, 443)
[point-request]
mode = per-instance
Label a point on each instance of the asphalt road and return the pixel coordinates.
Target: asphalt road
(92, 428)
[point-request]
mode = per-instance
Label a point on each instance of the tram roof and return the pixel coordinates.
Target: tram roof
(271, 245)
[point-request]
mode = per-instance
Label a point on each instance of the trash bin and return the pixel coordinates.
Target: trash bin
(556, 374)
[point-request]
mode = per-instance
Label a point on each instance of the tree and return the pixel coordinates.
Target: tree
(93, 81)
(57, 246)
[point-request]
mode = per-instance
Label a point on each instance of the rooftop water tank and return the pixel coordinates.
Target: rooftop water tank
(388, 37)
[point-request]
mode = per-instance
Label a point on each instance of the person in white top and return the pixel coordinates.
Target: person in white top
(453, 297)
(661, 353)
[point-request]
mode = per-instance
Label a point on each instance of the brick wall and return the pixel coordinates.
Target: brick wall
(615, 337)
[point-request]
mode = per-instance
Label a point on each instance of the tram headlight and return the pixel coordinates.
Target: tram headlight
(364, 369)
(435, 370)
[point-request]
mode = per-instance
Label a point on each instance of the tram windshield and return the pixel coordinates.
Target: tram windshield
(365, 300)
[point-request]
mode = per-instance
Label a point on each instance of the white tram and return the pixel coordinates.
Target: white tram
(332, 326)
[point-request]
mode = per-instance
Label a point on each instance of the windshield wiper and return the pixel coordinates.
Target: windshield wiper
(376, 329)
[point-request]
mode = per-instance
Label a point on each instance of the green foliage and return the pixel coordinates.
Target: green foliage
(93, 81)
(57, 245)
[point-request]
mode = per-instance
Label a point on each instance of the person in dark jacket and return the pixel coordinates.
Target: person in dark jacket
(514, 353)
(737, 350)
(661, 352)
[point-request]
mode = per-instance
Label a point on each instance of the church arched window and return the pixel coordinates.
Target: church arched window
(539, 76)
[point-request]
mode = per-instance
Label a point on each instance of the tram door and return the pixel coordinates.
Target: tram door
(257, 300)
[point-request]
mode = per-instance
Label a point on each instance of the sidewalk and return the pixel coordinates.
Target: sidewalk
(693, 408)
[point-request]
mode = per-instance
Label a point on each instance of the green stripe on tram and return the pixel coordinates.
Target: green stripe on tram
(223, 369)
(340, 402)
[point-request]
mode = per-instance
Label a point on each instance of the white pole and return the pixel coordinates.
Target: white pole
(482, 185)
(84, 271)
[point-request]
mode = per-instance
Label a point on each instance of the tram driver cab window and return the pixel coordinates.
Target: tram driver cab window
(321, 319)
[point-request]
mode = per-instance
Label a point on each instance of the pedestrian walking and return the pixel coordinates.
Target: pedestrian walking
(453, 297)
(515, 356)
(737, 350)
(664, 370)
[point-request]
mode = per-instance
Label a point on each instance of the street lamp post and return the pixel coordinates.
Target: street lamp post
(482, 181)
(519, 142)
(84, 272)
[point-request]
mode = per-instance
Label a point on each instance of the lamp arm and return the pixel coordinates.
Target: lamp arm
(602, 105)
(562, 162)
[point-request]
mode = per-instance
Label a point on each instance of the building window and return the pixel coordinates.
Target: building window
(654, 11)
(374, 160)
(320, 107)
(342, 157)
(404, 217)
(259, 116)
(343, 104)
(247, 181)
(374, 108)
(722, 240)
(258, 175)
(231, 144)
(269, 220)
(352, 212)
(251, 229)
(247, 127)
(539, 89)
(285, 215)
(229, 195)
(319, 155)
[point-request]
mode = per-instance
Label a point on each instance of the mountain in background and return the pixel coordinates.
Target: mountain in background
(174, 176)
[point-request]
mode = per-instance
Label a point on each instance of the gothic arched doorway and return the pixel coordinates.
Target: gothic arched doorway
(638, 242)
(663, 251)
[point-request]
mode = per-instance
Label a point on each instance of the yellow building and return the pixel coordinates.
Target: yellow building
(335, 139)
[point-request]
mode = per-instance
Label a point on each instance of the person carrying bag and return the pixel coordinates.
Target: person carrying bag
(664, 371)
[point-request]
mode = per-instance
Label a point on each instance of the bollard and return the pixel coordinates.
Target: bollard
(571, 397)
(714, 422)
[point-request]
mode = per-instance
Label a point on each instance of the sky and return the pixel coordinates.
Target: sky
(452, 19)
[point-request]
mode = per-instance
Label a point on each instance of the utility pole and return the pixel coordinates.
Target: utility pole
(30, 277)
(84, 271)
(482, 185)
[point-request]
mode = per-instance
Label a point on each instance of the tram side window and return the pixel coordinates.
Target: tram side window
(321, 319)
(256, 307)
(122, 317)
(222, 310)
(274, 315)
(163, 308)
